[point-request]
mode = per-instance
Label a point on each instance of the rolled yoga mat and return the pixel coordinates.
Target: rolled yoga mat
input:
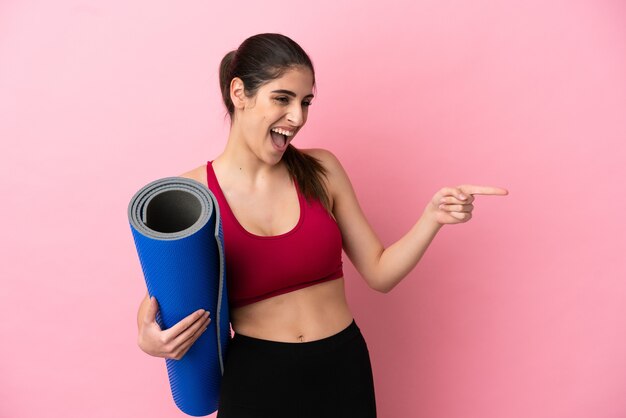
(177, 230)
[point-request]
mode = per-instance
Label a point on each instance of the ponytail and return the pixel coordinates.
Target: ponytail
(307, 171)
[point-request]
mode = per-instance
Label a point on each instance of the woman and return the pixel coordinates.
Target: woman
(287, 214)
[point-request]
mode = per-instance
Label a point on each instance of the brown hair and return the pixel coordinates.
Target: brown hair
(259, 60)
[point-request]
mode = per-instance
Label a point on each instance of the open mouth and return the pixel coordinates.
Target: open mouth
(280, 138)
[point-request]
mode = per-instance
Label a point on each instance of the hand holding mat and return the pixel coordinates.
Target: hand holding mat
(177, 230)
(173, 342)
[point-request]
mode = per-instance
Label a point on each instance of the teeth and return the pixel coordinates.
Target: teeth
(282, 132)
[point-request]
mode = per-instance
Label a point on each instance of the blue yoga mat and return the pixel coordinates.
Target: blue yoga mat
(177, 230)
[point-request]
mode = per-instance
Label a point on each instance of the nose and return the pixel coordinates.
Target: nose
(295, 115)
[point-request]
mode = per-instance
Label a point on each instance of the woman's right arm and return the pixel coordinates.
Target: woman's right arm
(174, 342)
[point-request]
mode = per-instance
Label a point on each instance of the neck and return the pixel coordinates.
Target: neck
(240, 162)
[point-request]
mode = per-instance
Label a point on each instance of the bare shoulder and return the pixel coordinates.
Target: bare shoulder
(197, 174)
(337, 178)
(326, 158)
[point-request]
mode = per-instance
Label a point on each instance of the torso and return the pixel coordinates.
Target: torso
(307, 314)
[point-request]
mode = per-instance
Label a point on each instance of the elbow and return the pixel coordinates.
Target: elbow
(380, 286)
(377, 279)
(385, 289)
(382, 290)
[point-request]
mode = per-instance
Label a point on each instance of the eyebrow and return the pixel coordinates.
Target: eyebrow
(291, 93)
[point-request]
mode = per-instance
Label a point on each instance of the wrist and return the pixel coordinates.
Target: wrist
(430, 218)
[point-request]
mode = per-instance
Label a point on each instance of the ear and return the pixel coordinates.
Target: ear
(237, 94)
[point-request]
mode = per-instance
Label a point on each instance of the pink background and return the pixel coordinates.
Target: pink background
(519, 313)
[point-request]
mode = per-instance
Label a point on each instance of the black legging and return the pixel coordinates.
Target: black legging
(326, 378)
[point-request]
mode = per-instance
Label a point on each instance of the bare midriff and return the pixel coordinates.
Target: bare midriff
(304, 315)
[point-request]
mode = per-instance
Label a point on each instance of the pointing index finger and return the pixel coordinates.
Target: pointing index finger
(484, 190)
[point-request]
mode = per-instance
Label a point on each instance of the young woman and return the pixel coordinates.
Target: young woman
(287, 215)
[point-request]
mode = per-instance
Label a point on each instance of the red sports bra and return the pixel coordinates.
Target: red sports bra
(260, 267)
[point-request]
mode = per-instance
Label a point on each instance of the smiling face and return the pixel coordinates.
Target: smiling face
(268, 121)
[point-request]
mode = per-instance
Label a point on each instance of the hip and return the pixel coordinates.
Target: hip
(330, 377)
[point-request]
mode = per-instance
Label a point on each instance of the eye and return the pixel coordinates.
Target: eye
(306, 104)
(282, 100)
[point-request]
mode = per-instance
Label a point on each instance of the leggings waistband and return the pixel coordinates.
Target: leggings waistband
(328, 343)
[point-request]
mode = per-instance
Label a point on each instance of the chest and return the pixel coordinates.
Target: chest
(268, 212)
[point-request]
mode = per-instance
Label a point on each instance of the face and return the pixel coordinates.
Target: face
(270, 120)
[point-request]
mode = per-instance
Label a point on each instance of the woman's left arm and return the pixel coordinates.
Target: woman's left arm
(383, 268)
